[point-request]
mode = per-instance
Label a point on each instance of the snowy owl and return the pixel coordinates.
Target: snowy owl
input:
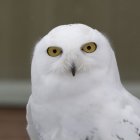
(76, 89)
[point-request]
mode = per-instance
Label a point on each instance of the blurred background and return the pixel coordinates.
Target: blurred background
(23, 23)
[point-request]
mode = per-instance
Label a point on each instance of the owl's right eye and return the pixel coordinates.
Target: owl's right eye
(54, 51)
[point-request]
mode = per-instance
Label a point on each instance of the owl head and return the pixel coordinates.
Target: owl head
(72, 51)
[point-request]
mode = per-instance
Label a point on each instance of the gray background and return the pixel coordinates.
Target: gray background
(24, 22)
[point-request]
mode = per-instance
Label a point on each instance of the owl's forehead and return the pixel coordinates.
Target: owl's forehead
(71, 35)
(74, 29)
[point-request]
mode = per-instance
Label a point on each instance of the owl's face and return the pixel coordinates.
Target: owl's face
(72, 50)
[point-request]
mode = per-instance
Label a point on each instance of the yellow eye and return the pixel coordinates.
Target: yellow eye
(54, 51)
(89, 47)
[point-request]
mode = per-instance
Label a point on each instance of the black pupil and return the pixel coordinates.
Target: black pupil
(54, 51)
(88, 47)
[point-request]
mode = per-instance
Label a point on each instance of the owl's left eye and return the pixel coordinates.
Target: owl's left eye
(54, 51)
(89, 47)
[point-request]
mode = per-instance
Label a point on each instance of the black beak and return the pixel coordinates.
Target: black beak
(73, 69)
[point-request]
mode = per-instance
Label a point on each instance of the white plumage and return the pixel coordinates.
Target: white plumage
(78, 95)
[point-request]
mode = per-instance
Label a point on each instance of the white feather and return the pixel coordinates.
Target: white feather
(92, 105)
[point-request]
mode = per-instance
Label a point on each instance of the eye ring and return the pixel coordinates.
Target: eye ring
(89, 47)
(54, 51)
